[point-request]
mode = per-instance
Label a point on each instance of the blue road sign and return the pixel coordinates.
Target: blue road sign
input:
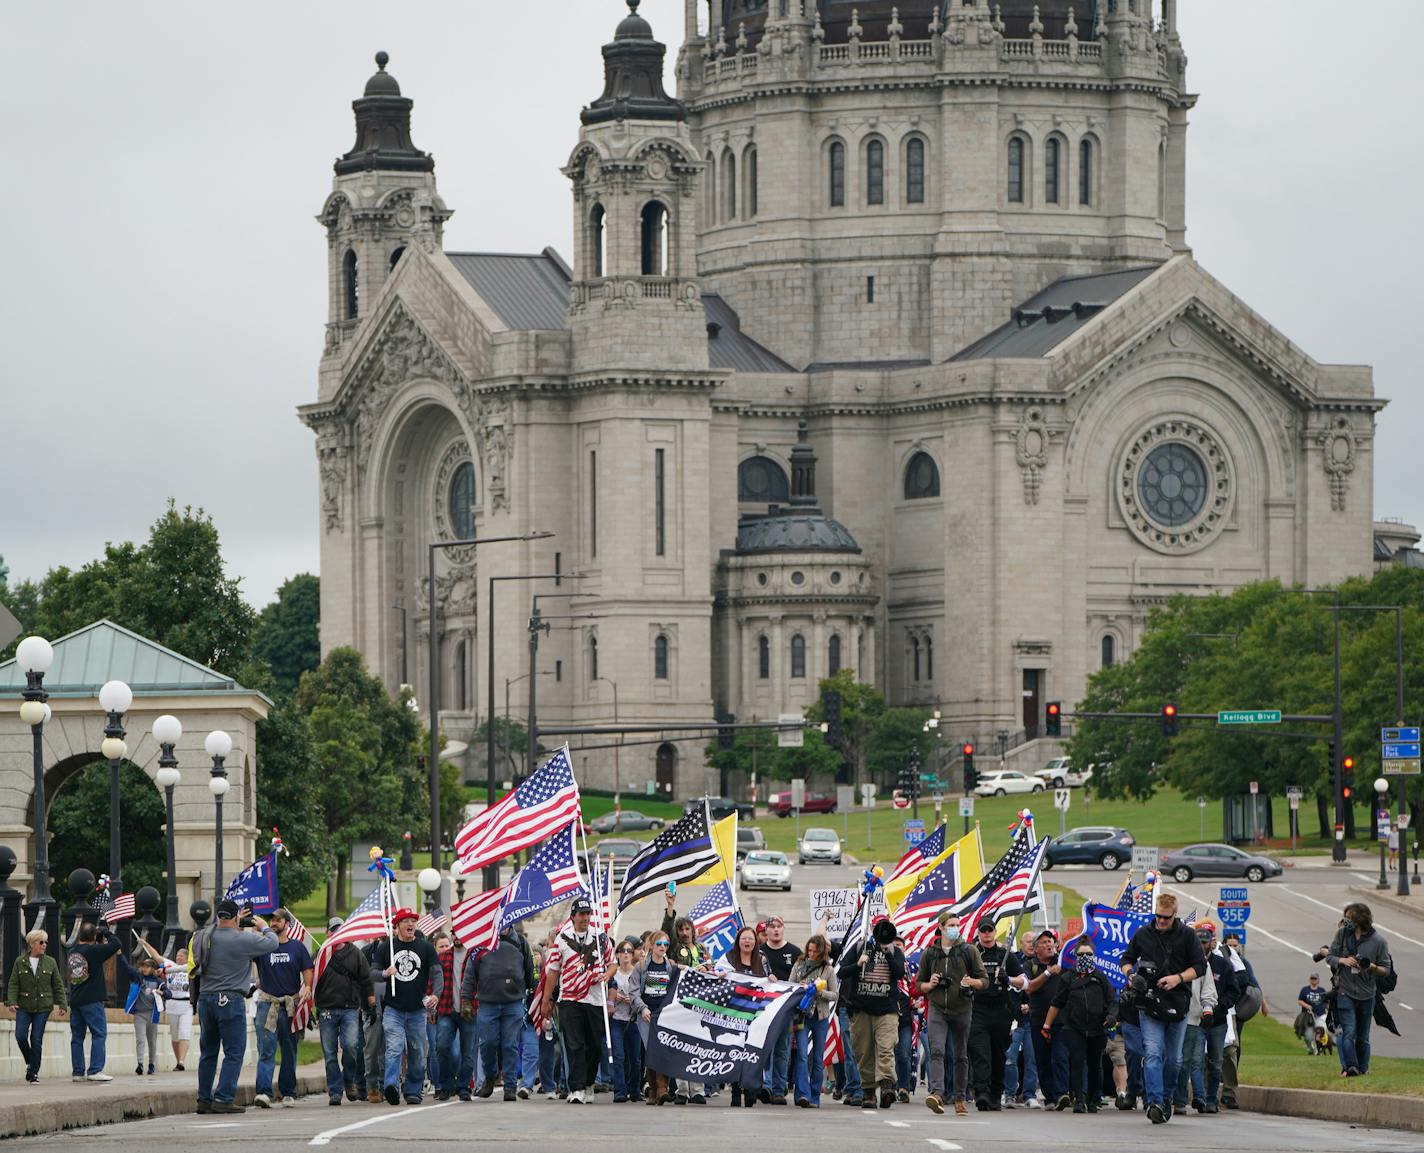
(914, 831)
(1401, 733)
(1401, 751)
(1234, 907)
(1239, 932)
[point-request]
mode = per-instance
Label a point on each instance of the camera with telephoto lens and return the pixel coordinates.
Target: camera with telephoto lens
(1142, 985)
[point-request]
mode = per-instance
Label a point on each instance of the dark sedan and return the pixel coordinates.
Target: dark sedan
(1105, 846)
(721, 807)
(627, 821)
(1216, 861)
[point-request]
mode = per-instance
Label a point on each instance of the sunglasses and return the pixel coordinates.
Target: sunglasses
(664, 944)
(1165, 916)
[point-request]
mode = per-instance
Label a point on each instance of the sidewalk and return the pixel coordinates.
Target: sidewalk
(59, 1103)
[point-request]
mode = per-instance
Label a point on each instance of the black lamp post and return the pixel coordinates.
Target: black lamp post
(218, 745)
(167, 731)
(34, 656)
(115, 698)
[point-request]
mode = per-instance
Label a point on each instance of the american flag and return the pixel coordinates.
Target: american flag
(296, 931)
(681, 852)
(917, 918)
(733, 995)
(543, 804)
(366, 923)
(121, 910)
(919, 855)
(1009, 889)
(835, 1043)
(431, 923)
(1142, 898)
(601, 892)
(713, 909)
(576, 976)
(475, 920)
(552, 875)
(536, 1006)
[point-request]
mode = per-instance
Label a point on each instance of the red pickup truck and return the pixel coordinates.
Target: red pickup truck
(780, 804)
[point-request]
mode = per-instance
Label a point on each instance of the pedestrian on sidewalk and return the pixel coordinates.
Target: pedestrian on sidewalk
(222, 966)
(284, 981)
(343, 991)
(34, 992)
(145, 1006)
(414, 965)
(87, 990)
(175, 990)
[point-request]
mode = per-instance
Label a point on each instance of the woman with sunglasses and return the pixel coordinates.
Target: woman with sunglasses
(34, 992)
(654, 977)
(814, 968)
(622, 1017)
(1088, 1004)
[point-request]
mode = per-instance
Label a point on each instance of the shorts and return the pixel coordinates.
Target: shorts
(180, 1020)
(1117, 1051)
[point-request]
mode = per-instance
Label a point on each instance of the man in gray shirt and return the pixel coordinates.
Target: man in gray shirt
(1358, 956)
(222, 965)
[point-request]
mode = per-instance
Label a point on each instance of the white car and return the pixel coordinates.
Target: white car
(819, 845)
(1060, 774)
(1000, 784)
(765, 870)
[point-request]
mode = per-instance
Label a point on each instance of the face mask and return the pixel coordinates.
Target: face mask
(1085, 963)
(951, 933)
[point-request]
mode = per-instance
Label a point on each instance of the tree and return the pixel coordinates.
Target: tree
(759, 749)
(287, 799)
(894, 734)
(79, 828)
(511, 741)
(288, 632)
(861, 705)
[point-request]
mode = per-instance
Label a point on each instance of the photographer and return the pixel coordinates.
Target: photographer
(869, 975)
(1163, 958)
(1359, 958)
(222, 971)
(951, 972)
(992, 1021)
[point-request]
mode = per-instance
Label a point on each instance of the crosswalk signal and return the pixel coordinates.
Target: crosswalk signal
(1054, 719)
(971, 775)
(1169, 720)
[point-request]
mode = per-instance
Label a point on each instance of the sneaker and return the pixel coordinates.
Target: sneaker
(443, 1094)
(1079, 1107)
(1123, 1103)
(887, 1098)
(982, 1104)
(679, 1099)
(1167, 1109)
(412, 1100)
(602, 1087)
(523, 1093)
(776, 1099)
(1211, 1108)
(79, 1077)
(1093, 1106)
(902, 1096)
(138, 1070)
(262, 1101)
(836, 1094)
(486, 1088)
(853, 1102)
(289, 1102)
(1033, 1103)
(150, 1070)
(699, 1099)
(576, 1097)
(100, 1077)
(228, 1107)
(995, 1107)
(934, 1103)
(1063, 1102)
(392, 1095)
(547, 1097)
(961, 1109)
(351, 1092)
(178, 1068)
(334, 1100)
(1198, 1104)
(1009, 1103)
(1230, 1102)
(1156, 1115)
(868, 1101)
(509, 1095)
(203, 1106)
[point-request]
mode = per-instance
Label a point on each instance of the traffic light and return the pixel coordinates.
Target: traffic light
(1054, 721)
(1347, 776)
(831, 713)
(971, 775)
(726, 737)
(1169, 720)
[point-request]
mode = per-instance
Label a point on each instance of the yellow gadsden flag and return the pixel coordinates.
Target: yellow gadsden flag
(970, 868)
(724, 840)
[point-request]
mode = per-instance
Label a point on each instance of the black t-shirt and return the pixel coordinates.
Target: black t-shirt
(780, 958)
(1041, 998)
(414, 962)
(999, 966)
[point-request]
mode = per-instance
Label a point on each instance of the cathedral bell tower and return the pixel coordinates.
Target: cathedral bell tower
(636, 302)
(383, 199)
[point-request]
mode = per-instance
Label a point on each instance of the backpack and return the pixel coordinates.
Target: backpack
(198, 960)
(1387, 983)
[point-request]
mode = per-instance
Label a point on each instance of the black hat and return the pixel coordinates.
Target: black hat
(227, 909)
(581, 905)
(885, 932)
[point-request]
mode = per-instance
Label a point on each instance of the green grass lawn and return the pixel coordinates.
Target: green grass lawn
(1273, 1055)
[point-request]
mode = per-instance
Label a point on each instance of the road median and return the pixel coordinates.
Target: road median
(1378, 899)
(1371, 1110)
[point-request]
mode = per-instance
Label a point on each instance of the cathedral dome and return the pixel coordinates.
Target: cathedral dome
(633, 76)
(383, 140)
(633, 26)
(792, 533)
(874, 17)
(382, 83)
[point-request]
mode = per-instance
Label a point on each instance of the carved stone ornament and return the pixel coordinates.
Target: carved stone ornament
(331, 460)
(401, 353)
(1031, 452)
(456, 591)
(492, 420)
(1176, 486)
(1337, 452)
(453, 457)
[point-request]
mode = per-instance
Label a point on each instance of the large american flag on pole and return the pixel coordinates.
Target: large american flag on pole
(539, 807)
(475, 920)
(713, 909)
(1008, 889)
(366, 923)
(552, 875)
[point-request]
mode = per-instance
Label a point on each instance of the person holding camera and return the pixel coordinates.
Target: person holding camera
(951, 972)
(1359, 958)
(222, 974)
(992, 1021)
(1163, 959)
(869, 974)
(1088, 1004)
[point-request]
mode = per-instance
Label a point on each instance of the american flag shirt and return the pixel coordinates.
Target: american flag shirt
(578, 981)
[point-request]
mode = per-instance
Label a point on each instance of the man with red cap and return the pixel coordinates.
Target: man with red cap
(411, 969)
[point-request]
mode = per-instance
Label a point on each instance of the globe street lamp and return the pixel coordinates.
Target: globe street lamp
(115, 698)
(1382, 806)
(429, 881)
(217, 745)
(34, 657)
(167, 730)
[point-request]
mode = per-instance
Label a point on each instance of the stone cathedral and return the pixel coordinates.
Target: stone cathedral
(881, 348)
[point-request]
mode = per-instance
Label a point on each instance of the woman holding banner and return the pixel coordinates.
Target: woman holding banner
(653, 979)
(814, 968)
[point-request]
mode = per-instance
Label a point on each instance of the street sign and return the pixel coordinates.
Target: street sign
(1401, 768)
(1062, 798)
(1294, 791)
(1294, 800)
(1145, 858)
(845, 797)
(1234, 907)
(1255, 787)
(798, 793)
(966, 806)
(931, 779)
(1400, 751)
(899, 800)
(914, 832)
(793, 736)
(1248, 717)
(1239, 932)
(1403, 733)
(867, 795)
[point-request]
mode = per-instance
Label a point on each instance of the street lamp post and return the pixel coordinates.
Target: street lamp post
(508, 681)
(617, 772)
(167, 731)
(429, 881)
(115, 698)
(1382, 805)
(34, 656)
(218, 745)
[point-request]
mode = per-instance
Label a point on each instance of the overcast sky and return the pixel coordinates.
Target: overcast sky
(163, 291)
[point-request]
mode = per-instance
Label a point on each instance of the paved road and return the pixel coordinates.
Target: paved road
(607, 1128)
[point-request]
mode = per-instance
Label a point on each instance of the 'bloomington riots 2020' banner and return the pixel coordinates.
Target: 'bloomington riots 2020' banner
(720, 1027)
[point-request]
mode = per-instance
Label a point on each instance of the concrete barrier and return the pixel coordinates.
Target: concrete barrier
(1372, 1110)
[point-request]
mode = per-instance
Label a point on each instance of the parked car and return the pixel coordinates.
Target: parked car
(1216, 861)
(721, 807)
(780, 804)
(765, 870)
(1060, 774)
(1006, 781)
(819, 845)
(1104, 845)
(621, 849)
(749, 840)
(627, 821)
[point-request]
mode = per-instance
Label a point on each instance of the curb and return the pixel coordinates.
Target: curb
(1379, 899)
(35, 1117)
(1367, 1110)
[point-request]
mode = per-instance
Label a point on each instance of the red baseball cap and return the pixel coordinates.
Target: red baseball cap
(404, 915)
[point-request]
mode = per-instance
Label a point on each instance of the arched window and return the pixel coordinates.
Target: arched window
(1109, 650)
(655, 239)
(921, 477)
(350, 289)
(875, 172)
(915, 657)
(929, 659)
(915, 171)
(709, 192)
(1052, 156)
(593, 658)
(798, 656)
(749, 166)
(1016, 170)
(837, 174)
(833, 656)
(462, 701)
(1085, 171)
(760, 479)
(396, 255)
(597, 240)
(729, 184)
(763, 658)
(462, 501)
(660, 658)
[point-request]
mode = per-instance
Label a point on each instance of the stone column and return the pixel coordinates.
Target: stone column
(815, 667)
(738, 688)
(778, 666)
(869, 673)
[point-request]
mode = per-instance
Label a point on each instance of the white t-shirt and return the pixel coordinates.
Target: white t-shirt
(34, 965)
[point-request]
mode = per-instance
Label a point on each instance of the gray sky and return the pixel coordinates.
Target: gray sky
(163, 296)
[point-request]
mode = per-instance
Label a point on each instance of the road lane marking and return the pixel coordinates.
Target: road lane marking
(1402, 1005)
(324, 1138)
(216, 1125)
(1253, 928)
(941, 1143)
(898, 1124)
(1333, 908)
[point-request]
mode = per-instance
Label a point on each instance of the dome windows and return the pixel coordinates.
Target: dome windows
(921, 477)
(350, 287)
(597, 241)
(1018, 166)
(761, 480)
(462, 501)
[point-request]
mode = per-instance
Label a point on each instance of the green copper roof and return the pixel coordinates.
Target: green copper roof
(104, 651)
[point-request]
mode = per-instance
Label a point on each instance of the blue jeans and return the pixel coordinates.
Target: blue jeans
(222, 1026)
(1132, 1042)
(1161, 1054)
(1020, 1041)
(499, 1038)
(29, 1036)
(405, 1037)
(274, 1032)
(904, 1075)
(1356, 1016)
(1050, 1058)
(627, 1059)
(811, 1049)
(91, 1018)
(338, 1026)
(467, 1037)
(773, 1076)
(847, 1071)
(548, 1059)
(528, 1053)
(449, 1054)
(1201, 1065)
